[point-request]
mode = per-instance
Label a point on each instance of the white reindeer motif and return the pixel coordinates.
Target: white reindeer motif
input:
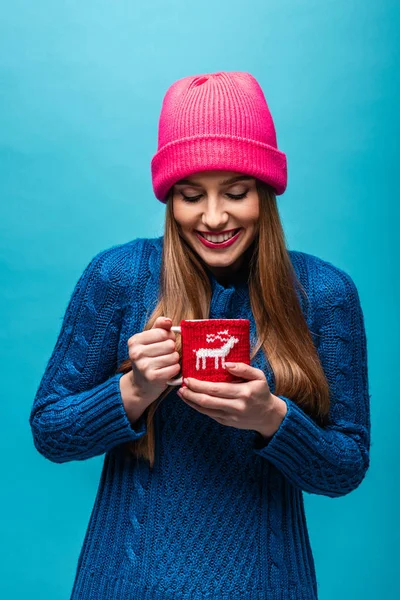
(217, 353)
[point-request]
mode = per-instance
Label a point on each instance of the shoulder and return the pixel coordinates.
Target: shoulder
(327, 284)
(121, 264)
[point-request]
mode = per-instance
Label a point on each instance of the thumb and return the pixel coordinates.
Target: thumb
(163, 322)
(244, 370)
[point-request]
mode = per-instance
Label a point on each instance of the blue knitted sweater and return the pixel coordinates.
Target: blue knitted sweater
(221, 514)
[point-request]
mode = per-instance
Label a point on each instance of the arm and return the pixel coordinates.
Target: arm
(134, 403)
(78, 411)
(333, 460)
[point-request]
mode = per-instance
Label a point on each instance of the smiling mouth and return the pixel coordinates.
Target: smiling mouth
(219, 238)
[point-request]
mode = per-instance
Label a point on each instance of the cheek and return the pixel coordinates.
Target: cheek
(250, 212)
(250, 216)
(182, 215)
(179, 218)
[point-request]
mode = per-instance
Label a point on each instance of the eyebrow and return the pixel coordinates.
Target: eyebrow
(225, 182)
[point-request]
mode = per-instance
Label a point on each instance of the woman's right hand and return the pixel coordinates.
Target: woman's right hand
(154, 360)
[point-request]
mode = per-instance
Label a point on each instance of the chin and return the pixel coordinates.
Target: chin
(223, 262)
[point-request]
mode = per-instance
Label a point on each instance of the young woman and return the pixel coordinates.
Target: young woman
(201, 492)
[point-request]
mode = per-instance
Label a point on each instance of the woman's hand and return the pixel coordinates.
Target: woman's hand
(154, 360)
(245, 405)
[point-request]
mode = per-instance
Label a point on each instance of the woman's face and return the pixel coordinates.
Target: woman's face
(212, 202)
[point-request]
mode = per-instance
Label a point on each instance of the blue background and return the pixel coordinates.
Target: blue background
(81, 86)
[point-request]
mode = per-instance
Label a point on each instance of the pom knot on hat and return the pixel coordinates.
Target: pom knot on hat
(216, 121)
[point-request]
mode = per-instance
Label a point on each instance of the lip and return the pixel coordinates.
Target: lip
(225, 244)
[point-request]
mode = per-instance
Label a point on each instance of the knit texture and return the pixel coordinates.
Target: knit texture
(207, 344)
(221, 514)
(216, 121)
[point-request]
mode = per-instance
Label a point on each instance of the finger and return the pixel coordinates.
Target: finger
(163, 322)
(159, 362)
(213, 413)
(158, 334)
(168, 372)
(222, 389)
(244, 370)
(159, 348)
(210, 403)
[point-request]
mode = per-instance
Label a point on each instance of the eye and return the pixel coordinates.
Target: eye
(190, 198)
(238, 196)
(196, 198)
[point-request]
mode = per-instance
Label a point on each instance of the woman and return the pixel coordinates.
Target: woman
(201, 492)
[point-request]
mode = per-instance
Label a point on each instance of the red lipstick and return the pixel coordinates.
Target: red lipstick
(225, 244)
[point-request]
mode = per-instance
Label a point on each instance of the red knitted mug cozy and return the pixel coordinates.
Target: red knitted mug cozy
(208, 343)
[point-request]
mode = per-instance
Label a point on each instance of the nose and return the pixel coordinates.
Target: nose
(214, 217)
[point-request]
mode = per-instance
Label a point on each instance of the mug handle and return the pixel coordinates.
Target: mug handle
(178, 381)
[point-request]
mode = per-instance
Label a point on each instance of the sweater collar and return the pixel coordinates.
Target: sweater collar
(237, 284)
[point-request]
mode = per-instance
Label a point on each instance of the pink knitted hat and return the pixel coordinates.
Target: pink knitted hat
(216, 121)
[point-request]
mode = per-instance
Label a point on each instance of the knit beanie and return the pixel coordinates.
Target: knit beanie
(216, 121)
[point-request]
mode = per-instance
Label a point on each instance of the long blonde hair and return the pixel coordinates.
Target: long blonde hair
(282, 331)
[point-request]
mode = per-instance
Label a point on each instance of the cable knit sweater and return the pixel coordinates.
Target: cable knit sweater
(221, 515)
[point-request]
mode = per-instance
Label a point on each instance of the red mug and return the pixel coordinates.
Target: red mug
(208, 343)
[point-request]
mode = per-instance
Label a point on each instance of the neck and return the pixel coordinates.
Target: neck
(239, 271)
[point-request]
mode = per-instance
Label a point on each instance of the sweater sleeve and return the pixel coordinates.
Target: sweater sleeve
(78, 412)
(331, 460)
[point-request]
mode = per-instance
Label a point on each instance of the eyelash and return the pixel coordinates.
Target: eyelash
(196, 198)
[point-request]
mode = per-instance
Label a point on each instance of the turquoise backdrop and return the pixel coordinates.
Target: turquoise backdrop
(81, 85)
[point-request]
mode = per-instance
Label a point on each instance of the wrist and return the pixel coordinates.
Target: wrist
(274, 417)
(134, 404)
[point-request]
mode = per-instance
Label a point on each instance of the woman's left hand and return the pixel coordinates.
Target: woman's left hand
(245, 405)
